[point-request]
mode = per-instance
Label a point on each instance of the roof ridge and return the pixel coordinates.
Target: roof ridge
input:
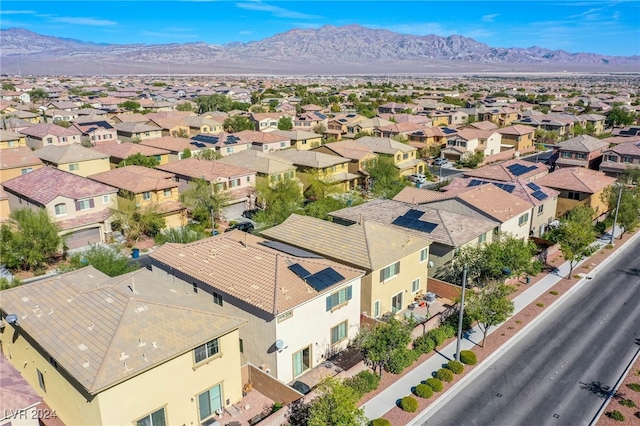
(576, 174)
(446, 228)
(366, 241)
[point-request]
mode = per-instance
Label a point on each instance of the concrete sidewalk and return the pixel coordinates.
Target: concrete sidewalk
(386, 400)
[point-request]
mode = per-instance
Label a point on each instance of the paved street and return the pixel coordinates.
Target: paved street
(559, 373)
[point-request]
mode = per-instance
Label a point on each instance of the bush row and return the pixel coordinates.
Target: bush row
(363, 382)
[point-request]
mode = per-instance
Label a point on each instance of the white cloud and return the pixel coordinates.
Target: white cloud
(17, 12)
(280, 12)
(490, 18)
(92, 22)
(245, 32)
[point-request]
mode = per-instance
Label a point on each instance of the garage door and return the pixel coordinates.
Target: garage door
(234, 211)
(83, 238)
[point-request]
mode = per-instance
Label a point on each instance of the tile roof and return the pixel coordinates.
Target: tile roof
(209, 170)
(384, 145)
(313, 159)
(349, 149)
(517, 129)
(85, 219)
(136, 179)
(132, 118)
(43, 129)
(135, 127)
(104, 330)
(502, 172)
(236, 263)
(15, 393)
(484, 125)
(256, 137)
(6, 135)
(495, 202)
(22, 156)
(521, 189)
(68, 154)
(259, 162)
(120, 151)
(413, 195)
(368, 245)
(297, 135)
(170, 143)
(582, 143)
(628, 148)
(577, 179)
(47, 183)
(453, 229)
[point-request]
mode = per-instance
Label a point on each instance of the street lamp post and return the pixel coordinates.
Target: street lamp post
(615, 217)
(461, 313)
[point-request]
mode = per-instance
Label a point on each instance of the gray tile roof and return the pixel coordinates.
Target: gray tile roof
(259, 162)
(68, 154)
(582, 143)
(312, 159)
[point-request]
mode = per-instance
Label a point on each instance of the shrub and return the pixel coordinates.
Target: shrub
(468, 357)
(380, 422)
(540, 305)
(455, 366)
(363, 382)
(401, 359)
(452, 320)
(434, 384)
(448, 330)
(445, 375)
(424, 344)
(553, 292)
(424, 391)
(438, 336)
(634, 386)
(627, 403)
(616, 415)
(409, 404)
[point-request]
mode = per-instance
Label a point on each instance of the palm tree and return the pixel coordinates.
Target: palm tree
(205, 200)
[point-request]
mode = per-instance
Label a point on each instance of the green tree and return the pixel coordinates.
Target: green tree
(181, 235)
(319, 129)
(139, 159)
(105, 259)
(208, 154)
(285, 123)
(237, 123)
(385, 177)
(490, 306)
(130, 105)
(576, 234)
(472, 160)
(136, 220)
(5, 283)
(620, 117)
(186, 153)
(322, 207)
(215, 102)
(630, 175)
(29, 240)
(185, 106)
(279, 201)
(38, 95)
(381, 342)
(204, 200)
(628, 216)
(8, 86)
(335, 404)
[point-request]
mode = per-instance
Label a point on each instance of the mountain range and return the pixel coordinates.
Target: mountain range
(351, 49)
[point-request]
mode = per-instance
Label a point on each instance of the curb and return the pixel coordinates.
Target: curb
(495, 355)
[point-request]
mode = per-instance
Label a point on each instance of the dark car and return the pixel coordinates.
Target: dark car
(301, 387)
(243, 226)
(249, 214)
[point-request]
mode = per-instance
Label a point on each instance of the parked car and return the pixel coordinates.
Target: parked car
(440, 161)
(243, 226)
(417, 178)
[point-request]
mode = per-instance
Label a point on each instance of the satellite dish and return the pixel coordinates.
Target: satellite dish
(279, 344)
(430, 264)
(12, 319)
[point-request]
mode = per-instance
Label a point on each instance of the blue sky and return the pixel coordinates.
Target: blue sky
(610, 27)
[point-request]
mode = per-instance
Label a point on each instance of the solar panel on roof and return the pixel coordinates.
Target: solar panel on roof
(286, 248)
(333, 274)
(423, 226)
(401, 221)
(475, 182)
(533, 186)
(414, 214)
(505, 186)
(299, 270)
(316, 283)
(198, 144)
(540, 195)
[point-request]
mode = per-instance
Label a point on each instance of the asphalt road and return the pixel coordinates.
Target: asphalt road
(562, 370)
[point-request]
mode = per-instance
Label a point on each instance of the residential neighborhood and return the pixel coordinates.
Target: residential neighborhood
(223, 250)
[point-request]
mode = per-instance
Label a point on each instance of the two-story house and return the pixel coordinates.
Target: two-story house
(200, 124)
(300, 139)
(405, 157)
(469, 141)
(274, 288)
(137, 132)
(594, 122)
(360, 157)
(222, 143)
(509, 171)
(238, 182)
(394, 261)
(502, 117)
(81, 207)
(268, 121)
(520, 137)
(75, 159)
(397, 129)
(120, 152)
(97, 132)
(44, 134)
(106, 351)
(580, 151)
(9, 139)
(15, 162)
(268, 168)
(264, 141)
(620, 157)
(174, 146)
(149, 187)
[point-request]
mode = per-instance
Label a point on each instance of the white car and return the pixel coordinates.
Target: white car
(417, 178)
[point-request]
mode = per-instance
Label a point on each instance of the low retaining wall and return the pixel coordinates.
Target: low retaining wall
(443, 288)
(270, 386)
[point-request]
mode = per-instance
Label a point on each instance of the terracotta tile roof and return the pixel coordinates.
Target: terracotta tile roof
(132, 118)
(521, 189)
(313, 159)
(484, 125)
(495, 202)
(452, 229)
(470, 134)
(296, 135)
(136, 179)
(259, 162)
(501, 171)
(23, 156)
(85, 219)
(260, 138)
(170, 143)
(621, 139)
(6, 135)
(114, 328)
(402, 127)
(15, 393)
(369, 245)
(209, 170)
(135, 127)
(349, 149)
(42, 129)
(120, 151)
(517, 130)
(582, 143)
(68, 154)
(47, 183)
(384, 145)
(237, 264)
(577, 179)
(413, 195)
(628, 148)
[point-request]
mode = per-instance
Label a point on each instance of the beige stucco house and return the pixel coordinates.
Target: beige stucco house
(75, 158)
(15, 162)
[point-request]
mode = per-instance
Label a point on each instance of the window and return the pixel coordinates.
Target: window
(248, 178)
(73, 167)
(540, 208)
(301, 361)
(41, 380)
(339, 297)
(405, 156)
(396, 303)
(12, 143)
(241, 346)
(84, 205)
(26, 170)
(415, 285)
(482, 238)
(390, 272)
(195, 287)
(61, 209)
(523, 220)
(424, 254)
(210, 401)
(376, 309)
(157, 418)
(229, 150)
(566, 155)
(581, 156)
(339, 333)
(234, 182)
(612, 158)
(626, 159)
(205, 351)
(106, 199)
(217, 298)
(53, 362)
(49, 140)
(64, 139)
(283, 144)
(167, 192)
(146, 195)
(573, 195)
(398, 157)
